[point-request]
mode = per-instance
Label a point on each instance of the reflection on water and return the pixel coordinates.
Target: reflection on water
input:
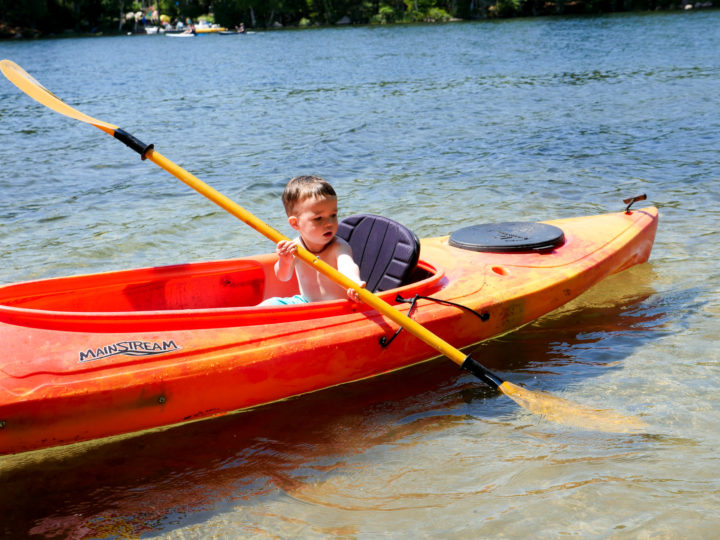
(204, 466)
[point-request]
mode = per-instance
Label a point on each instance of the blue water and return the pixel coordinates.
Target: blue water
(437, 126)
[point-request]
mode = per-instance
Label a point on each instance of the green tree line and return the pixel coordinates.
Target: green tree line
(33, 18)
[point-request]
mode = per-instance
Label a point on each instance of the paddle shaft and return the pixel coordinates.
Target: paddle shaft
(321, 266)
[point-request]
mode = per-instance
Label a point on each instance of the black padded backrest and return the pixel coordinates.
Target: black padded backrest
(385, 251)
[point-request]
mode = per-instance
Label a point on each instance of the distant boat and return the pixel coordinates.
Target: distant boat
(181, 34)
(205, 28)
(235, 33)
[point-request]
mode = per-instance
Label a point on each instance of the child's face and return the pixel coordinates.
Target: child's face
(316, 221)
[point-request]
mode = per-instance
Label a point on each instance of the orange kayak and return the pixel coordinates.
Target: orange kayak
(105, 354)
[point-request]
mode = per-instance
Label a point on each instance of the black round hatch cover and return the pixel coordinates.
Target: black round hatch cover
(508, 237)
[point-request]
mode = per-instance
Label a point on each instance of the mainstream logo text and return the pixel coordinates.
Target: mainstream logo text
(128, 348)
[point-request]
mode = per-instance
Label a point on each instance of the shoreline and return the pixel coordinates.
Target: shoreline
(12, 33)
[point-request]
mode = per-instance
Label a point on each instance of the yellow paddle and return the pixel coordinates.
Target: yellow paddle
(550, 407)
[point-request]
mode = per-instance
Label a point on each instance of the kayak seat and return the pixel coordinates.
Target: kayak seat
(386, 251)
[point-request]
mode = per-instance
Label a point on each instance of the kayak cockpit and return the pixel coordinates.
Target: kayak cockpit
(177, 287)
(196, 295)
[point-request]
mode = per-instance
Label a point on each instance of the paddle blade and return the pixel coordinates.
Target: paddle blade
(568, 413)
(25, 82)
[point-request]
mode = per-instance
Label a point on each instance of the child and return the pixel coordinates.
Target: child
(311, 206)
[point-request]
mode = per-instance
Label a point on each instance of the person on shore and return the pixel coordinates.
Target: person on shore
(311, 206)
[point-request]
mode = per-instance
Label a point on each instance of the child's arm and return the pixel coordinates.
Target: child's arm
(285, 264)
(346, 266)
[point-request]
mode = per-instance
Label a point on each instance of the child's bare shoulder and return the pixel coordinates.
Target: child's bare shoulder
(342, 243)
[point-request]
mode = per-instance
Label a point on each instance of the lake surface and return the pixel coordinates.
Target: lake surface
(439, 127)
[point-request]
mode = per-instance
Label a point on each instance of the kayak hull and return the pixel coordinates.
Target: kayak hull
(107, 354)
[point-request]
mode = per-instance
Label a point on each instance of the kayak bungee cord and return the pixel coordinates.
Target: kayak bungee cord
(385, 341)
(546, 405)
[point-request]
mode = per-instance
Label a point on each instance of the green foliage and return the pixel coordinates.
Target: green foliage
(438, 15)
(421, 6)
(507, 8)
(31, 18)
(385, 15)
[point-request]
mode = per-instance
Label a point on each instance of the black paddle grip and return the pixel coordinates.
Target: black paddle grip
(134, 143)
(473, 366)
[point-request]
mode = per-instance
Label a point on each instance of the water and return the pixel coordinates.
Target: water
(440, 127)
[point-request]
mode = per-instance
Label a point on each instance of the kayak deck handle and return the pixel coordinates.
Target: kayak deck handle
(633, 200)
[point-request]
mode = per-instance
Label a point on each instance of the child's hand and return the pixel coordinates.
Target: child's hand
(285, 265)
(285, 249)
(352, 293)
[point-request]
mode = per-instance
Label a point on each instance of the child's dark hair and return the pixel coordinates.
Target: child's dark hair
(305, 187)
